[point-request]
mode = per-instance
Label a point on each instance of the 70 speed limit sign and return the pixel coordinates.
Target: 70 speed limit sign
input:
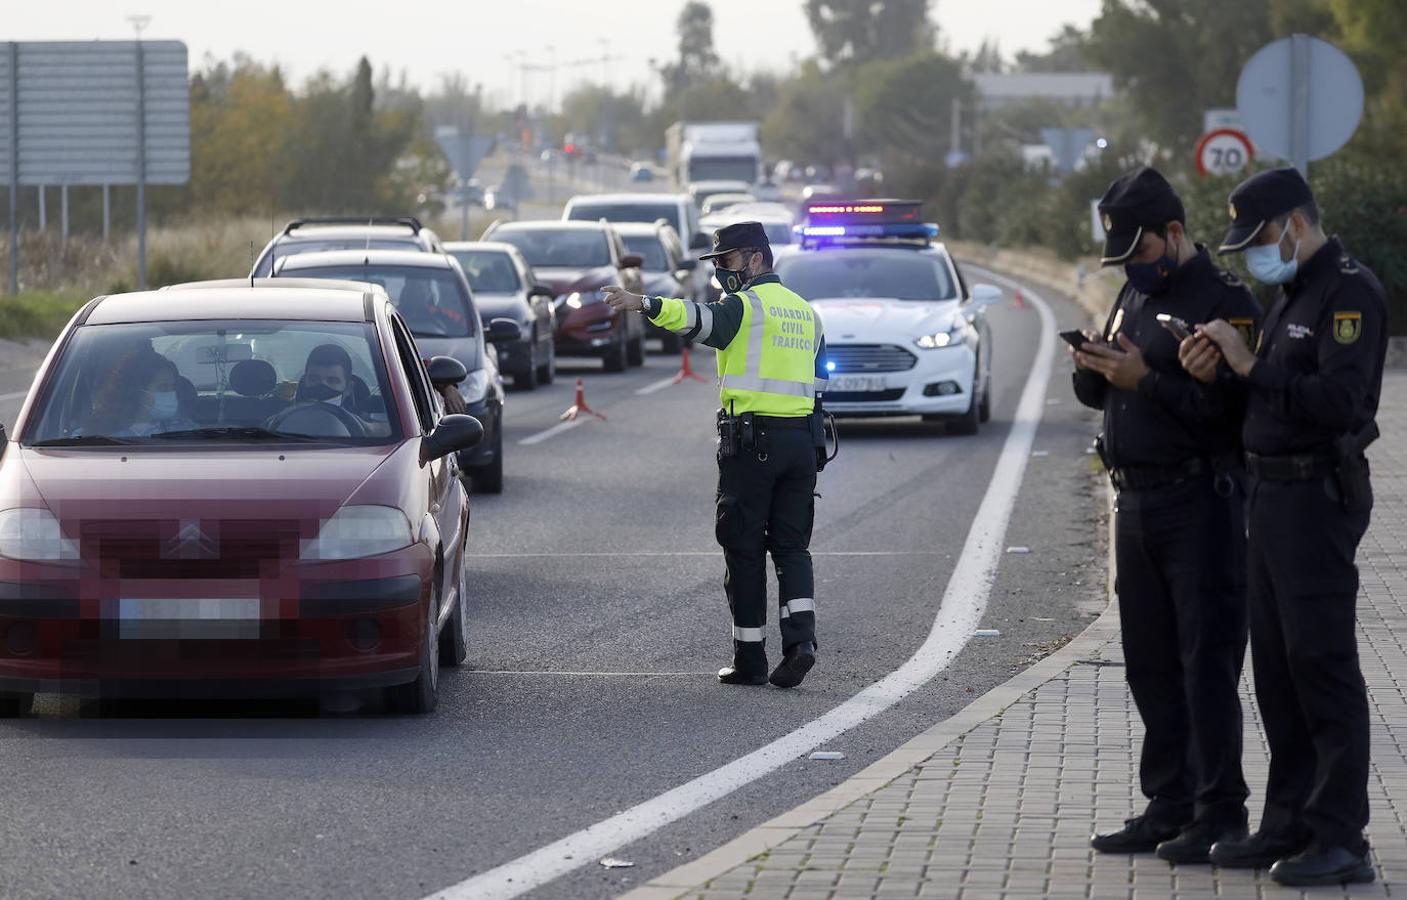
(1224, 151)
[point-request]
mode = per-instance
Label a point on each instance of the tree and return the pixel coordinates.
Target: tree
(1066, 53)
(241, 128)
(697, 61)
(1375, 34)
(987, 59)
(808, 117)
(905, 107)
(859, 31)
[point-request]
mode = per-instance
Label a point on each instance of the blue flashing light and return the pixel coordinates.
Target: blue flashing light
(830, 366)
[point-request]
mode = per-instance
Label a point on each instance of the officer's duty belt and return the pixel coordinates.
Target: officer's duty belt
(1144, 478)
(1303, 467)
(783, 422)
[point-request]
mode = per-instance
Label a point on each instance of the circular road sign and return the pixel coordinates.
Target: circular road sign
(1265, 97)
(1224, 151)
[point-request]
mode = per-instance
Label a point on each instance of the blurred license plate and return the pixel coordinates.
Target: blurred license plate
(856, 384)
(211, 618)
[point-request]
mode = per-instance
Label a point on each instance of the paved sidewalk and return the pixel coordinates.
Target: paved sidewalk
(1000, 801)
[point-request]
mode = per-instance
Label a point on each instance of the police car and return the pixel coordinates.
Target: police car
(904, 334)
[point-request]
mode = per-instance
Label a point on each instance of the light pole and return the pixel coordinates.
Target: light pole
(139, 24)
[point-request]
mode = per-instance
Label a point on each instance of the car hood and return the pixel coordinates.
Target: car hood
(848, 319)
(501, 306)
(564, 281)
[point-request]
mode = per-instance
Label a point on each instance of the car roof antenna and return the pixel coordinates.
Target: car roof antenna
(251, 264)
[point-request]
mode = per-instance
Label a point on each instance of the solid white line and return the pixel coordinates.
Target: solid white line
(657, 386)
(964, 601)
(551, 432)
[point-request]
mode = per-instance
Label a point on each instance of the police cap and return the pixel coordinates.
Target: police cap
(1141, 199)
(1259, 199)
(737, 236)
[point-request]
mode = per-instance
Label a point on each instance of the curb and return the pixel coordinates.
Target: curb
(694, 875)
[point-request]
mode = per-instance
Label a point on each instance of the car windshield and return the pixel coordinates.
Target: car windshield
(628, 212)
(296, 246)
(245, 381)
(889, 274)
(430, 299)
(568, 248)
(650, 250)
(488, 271)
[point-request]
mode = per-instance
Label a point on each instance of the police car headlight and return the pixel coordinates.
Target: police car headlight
(476, 387)
(358, 531)
(941, 338)
(34, 534)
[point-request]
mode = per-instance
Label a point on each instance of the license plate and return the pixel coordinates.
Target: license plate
(209, 618)
(856, 384)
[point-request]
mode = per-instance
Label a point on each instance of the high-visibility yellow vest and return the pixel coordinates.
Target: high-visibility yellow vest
(769, 367)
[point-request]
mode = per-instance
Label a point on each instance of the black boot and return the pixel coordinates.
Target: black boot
(1139, 835)
(1195, 843)
(794, 665)
(1259, 851)
(749, 664)
(1320, 865)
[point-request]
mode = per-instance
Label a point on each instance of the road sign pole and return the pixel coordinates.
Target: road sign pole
(141, 169)
(1299, 103)
(14, 168)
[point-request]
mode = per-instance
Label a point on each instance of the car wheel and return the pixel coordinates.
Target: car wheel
(618, 356)
(526, 380)
(548, 373)
(454, 640)
(984, 411)
(968, 421)
(635, 351)
(488, 479)
(14, 704)
(422, 694)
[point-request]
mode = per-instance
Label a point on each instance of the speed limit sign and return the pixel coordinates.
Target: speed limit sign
(1224, 151)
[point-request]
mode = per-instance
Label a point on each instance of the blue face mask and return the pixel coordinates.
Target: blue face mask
(1266, 265)
(163, 404)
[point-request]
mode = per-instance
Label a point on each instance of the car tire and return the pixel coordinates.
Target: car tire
(984, 410)
(488, 479)
(14, 704)
(547, 372)
(635, 351)
(454, 639)
(968, 421)
(421, 695)
(526, 380)
(617, 356)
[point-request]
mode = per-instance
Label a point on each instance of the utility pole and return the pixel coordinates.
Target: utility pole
(139, 24)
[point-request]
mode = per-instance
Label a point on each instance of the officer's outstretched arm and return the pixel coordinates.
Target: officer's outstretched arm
(712, 324)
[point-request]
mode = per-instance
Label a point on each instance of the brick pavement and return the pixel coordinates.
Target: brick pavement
(1004, 805)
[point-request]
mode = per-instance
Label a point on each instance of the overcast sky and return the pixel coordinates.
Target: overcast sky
(480, 37)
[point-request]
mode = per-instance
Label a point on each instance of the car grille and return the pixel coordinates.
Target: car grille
(863, 396)
(864, 358)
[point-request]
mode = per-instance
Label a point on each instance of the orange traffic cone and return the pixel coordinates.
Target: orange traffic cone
(1018, 301)
(580, 406)
(686, 370)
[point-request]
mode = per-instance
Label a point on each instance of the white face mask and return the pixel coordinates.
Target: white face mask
(163, 404)
(1266, 265)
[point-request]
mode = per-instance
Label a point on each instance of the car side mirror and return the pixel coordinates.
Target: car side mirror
(503, 331)
(985, 294)
(688, 265)
(445, 371)
(4, 441)
(541, 291)
(699, 241)
(452, 433)
(631, 261)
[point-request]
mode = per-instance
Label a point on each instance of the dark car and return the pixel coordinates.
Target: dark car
(433, 298)
(505, 287)
(314, 235)
(181, 513)
(576, 260)
(665, 267)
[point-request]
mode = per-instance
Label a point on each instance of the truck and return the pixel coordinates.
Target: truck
(713, 151)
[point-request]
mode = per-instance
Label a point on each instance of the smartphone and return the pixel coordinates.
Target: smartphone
(1179, 328)
(1075, 338)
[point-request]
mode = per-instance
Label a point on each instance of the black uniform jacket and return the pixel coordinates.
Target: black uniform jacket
(1170, 418)
(1319, 367)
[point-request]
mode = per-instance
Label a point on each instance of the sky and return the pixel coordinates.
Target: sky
(570, 41)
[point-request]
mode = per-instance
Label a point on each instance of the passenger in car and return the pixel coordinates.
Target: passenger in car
(141, 398)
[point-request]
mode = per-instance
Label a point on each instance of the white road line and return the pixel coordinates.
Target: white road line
(963, 603)
(657, 386)
(551, 432)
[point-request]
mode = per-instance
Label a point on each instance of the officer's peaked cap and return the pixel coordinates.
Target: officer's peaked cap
(1135, 201)
(1259, 199)
(737, 236)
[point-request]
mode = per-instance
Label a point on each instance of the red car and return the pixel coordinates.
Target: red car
(234, 489)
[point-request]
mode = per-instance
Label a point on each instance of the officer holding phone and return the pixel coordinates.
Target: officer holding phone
(1172, 450)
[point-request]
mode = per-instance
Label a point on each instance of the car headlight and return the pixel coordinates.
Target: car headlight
(33, 534)
(358, 531)
(476, 387)
(942, 338)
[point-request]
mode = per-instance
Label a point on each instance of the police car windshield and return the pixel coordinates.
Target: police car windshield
(431, 300)
(883, 274)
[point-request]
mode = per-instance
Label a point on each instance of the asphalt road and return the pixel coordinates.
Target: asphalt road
(598, 621)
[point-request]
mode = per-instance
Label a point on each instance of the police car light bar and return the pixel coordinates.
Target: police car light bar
(888, 212)
(925, 230)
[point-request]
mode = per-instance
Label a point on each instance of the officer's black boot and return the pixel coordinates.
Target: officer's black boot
(1259, 851)
(749, 664)
(1321, 865)
(794, 665)
(1195, 843)
(1141, 834)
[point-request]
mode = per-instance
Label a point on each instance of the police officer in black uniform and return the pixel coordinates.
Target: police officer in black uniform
(1314, 382)
(1172, 450)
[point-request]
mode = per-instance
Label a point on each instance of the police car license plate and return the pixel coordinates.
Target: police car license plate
(856, 384)
(209, 618)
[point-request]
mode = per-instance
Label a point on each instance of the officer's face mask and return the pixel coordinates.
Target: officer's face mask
(1152, 277)
(732, 280)
(1266, 264)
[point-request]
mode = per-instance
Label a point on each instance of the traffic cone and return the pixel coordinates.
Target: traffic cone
(1018, 301)
(580, 406)
(686, 370)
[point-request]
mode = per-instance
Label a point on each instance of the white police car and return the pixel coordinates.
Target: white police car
(904, 334)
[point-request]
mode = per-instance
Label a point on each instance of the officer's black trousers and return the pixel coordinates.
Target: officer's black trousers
(1303, 593)
(1181, 577)
(766, 505)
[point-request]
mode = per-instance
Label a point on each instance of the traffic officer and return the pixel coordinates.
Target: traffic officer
(771, 366)
(1172, 451)
(1314, 382)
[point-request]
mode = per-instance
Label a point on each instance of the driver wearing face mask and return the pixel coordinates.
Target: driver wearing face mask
(327, 378)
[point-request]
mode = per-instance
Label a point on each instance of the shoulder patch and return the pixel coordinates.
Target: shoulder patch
(1244, 327)
(1347, 326)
